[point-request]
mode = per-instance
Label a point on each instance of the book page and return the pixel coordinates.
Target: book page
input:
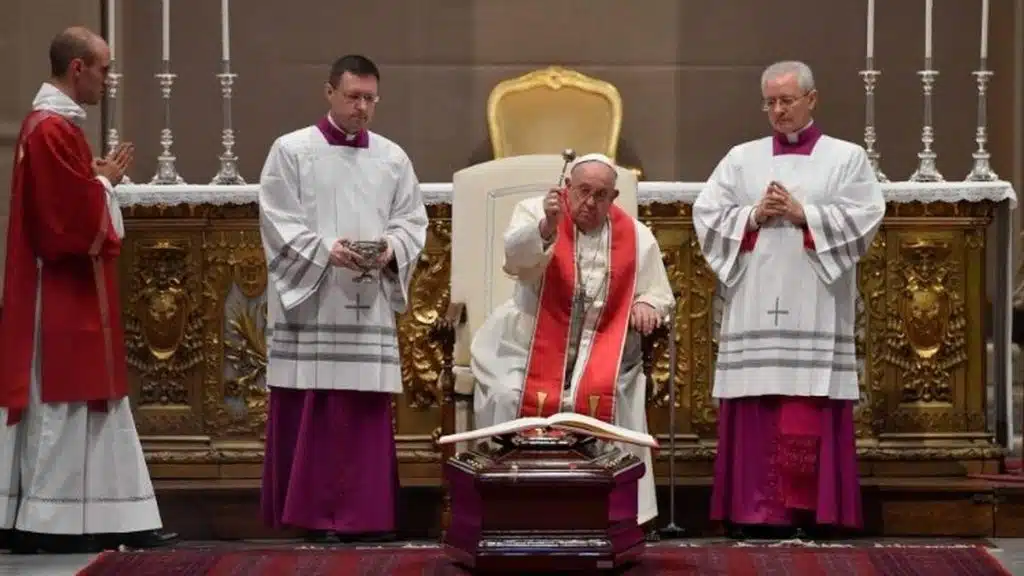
(586, 425)
(509, 427)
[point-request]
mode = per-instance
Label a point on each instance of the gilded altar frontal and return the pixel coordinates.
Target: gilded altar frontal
(194, 280)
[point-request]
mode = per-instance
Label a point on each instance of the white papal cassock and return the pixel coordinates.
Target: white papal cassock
(500, 351)
(65, 469)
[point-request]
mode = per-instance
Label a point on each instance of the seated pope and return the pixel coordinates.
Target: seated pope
(589, 281)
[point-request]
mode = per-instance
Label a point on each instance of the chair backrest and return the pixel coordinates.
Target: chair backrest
(483, 199)
(549, 110)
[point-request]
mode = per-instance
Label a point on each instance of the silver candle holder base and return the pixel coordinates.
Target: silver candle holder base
(981, 170)
(166, 170)
(927, 166)
(870, 77)
(228, 173)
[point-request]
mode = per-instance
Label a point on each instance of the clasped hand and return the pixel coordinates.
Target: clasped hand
(778, 202)
(116, 164)
(343, 256)
(643, 318)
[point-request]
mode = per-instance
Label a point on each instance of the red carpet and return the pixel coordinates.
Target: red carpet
(663, 560)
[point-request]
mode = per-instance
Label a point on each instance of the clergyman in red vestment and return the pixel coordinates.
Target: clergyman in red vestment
(589, 281)
(783, 221)
(71, 465)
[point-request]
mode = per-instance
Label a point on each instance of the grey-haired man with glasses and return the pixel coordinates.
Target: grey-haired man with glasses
(783, 221)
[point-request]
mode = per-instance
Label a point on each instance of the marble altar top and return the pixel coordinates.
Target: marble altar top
(648, 193)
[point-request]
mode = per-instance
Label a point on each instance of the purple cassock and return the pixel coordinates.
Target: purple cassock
(786, 460)
(330, 461)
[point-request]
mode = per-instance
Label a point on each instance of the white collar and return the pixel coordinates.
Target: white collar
(795, 136)
(348, 136)
(50, 98)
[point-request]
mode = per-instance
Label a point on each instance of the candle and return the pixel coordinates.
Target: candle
(224, 36)
(871, 28)
(110, 28)
(928, 29)
(167, 29)
(984, 29)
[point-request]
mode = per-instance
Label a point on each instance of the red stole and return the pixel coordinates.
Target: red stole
(545, 371)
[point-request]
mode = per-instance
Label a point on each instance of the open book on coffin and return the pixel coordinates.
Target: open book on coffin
(565, 421)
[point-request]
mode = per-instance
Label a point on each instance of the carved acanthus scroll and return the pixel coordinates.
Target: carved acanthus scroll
(234, 287)
(421, 355)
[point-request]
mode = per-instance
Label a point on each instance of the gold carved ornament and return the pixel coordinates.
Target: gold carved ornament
(694, 284)
(547, 110)
(926, 339)
(163, 326)
(235, 399)
(870, 336)
(422, 356)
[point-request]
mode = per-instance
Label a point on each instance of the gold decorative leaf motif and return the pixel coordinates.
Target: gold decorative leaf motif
(420, 355)
(163, 322)
(247, 353)
(870, 338)
(926, 336)
(235, 407)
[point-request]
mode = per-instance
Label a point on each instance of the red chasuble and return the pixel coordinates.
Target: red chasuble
(545, 372)
(58, 215)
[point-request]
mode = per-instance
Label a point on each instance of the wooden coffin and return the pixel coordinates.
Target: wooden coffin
(548, 501)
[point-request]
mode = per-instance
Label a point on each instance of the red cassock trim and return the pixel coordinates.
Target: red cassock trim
(750, 239)
(545, 372)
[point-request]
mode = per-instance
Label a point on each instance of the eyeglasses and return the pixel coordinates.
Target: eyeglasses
(367, 99)
(784, 101)
(597, 195)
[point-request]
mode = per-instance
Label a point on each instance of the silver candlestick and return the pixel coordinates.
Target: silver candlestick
(982, 170)
(927, 171)
(166, 173)
(113, 134)
(870, 76)
(228, 173)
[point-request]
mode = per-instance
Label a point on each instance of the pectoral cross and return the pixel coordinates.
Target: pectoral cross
(777, 312)
(580, 304)
(357, 308)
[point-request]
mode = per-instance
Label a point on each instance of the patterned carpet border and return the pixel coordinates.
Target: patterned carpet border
(665, 559)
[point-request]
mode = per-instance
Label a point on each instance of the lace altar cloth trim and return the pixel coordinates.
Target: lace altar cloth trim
(649, 193)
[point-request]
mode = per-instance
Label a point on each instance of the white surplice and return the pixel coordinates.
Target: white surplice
(501, 347)
(789, 314)
(65, 469)
(328, 332)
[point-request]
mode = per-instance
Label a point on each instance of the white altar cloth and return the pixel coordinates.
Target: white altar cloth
(649, 192)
